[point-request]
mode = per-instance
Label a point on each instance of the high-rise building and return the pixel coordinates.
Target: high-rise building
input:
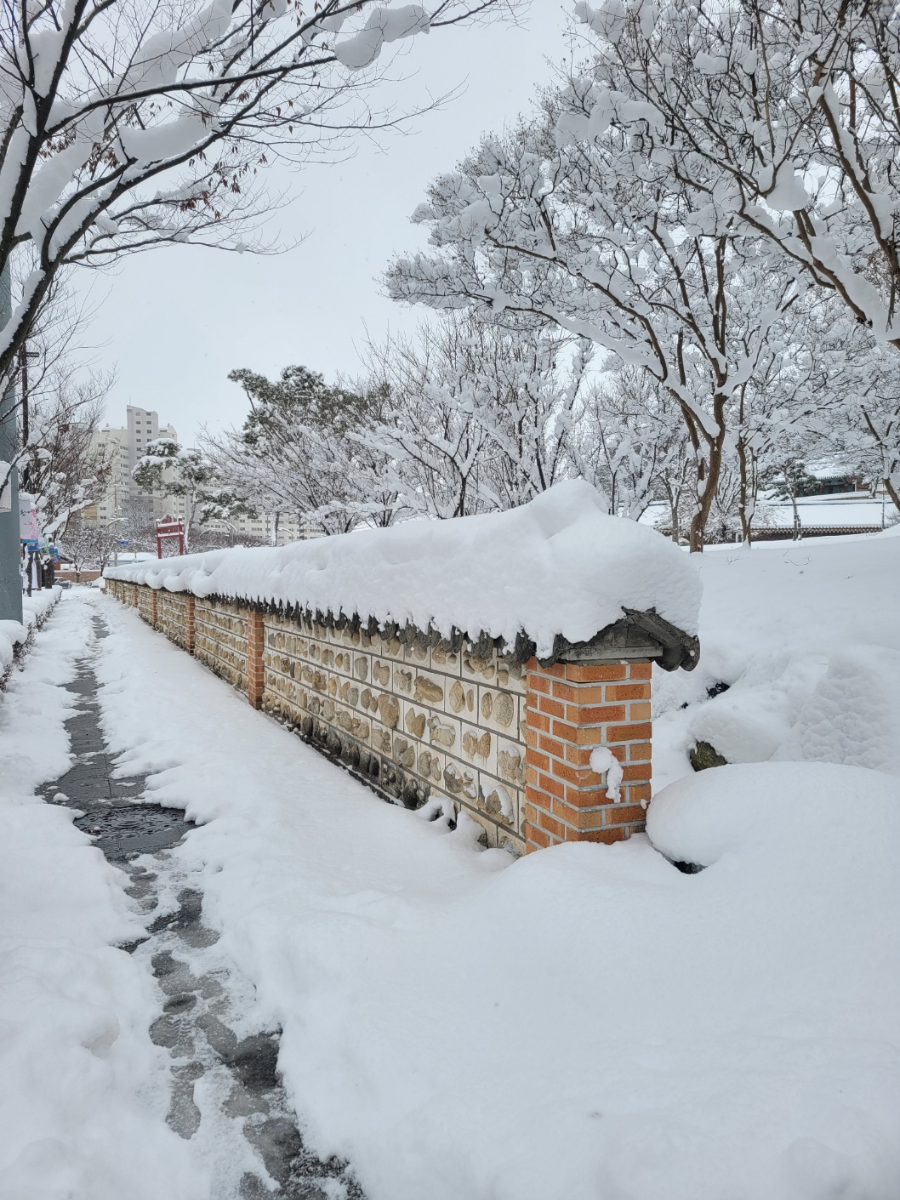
(124, 448)
(124, 501)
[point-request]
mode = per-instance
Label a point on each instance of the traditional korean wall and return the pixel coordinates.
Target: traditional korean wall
(420, 720)
(172, 617)
(220, 639)
(417, 720)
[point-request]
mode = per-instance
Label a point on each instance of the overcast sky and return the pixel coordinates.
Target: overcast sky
(175, 321)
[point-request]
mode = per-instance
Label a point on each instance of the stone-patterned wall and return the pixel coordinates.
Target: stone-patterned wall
(171, 616)
(417, 720)
(220, 639)
(508, 743)
(146, 601)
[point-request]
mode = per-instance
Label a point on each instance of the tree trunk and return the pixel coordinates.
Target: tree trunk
(798, 529)
(708, 474)
(746, 505)
(676, 518)
(708, 469)
(892, 492)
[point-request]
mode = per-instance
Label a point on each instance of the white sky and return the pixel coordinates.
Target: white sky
(175, 321)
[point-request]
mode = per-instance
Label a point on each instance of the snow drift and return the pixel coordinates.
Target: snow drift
(14, 634)
(559, 565)
(805, 636)
(585, 1022)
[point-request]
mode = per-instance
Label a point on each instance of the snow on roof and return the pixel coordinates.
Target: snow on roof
(825, 512)
(558, 565)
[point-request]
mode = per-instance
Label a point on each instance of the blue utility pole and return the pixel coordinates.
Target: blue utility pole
(10, 579)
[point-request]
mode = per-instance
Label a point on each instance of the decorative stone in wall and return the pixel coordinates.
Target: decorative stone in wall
(145, 604)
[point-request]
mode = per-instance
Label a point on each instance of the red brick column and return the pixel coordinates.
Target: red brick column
(571, 709)
(189, 624)
(255, 644)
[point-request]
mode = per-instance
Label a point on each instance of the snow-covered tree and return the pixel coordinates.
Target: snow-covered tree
(783, 117)
(126, 124)
(864, 424)
(89, 545)
(60, 399)
(62, 468)
(568, 221)
(629, 439)
(295, 455)
(478, 413)
(177, 470)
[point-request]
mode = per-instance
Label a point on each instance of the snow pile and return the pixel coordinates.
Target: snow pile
(588, 1021)
(559, 565)
(807, 640)
(82, 1106)
(15, 633)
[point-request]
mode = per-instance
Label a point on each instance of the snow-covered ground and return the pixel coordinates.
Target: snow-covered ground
(14, 634)
(589, 1023)
(83, 1094)
(807, 636)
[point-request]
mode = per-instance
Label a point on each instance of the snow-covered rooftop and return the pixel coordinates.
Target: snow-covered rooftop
(557, 566)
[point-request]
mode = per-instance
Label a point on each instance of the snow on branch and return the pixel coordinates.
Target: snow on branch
(124, 126)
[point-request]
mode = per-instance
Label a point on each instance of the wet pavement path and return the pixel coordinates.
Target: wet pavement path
(226, 1093)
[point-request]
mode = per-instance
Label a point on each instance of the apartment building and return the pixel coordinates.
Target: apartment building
(125, 447)
(124, 501)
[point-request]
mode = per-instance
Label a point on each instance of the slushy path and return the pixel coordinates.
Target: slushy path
(226, 1092)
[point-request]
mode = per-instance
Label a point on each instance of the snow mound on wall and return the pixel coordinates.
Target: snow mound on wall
(559, 565)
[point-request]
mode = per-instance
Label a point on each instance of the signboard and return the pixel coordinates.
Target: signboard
(29, 525)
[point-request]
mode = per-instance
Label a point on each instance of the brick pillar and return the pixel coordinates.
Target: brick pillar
(189, 624)
(134, 595)
(154, 607)
(571, 708)
(255, 645)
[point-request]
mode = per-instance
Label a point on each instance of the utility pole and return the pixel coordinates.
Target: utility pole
(10, 579)
(24, 355)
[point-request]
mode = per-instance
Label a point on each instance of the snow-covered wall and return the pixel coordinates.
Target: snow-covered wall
(498, 666)
(460, 726)
(559, 566)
